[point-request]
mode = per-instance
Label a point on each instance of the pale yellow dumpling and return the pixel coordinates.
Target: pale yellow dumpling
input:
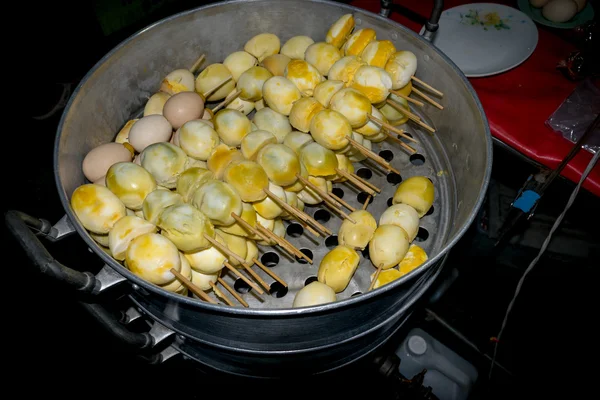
(190, 180)
(186, 226)
(345, 68)
(232, 126)
(388, 246)
(251, 83)
(131, 183)
(358, 41)
(248, 215)
(298, 186)
(318, 160)
(378, 52)
(280, 94)
(263, 45)
(280, 163)
(322, 56)
(165, 162)
(152, 256)
(330, 129)
(276, 64)
(303, 112)
(254, 141)
(401, 66)
(404, 216)
(304, 75)
(124, 231)
(295, 140)
(268, 208)
(156, 103)
(418, 192)
(385, 277)
(97, 208)
(325, 91)
(373, 82)
(270, 120)
(221, 157)
(340, 30)
(248, 179)
(157, 201)
(209, 260)
(360, 234)
(296, 46)
(337, 267)
(372, 128)
(198, 139)
(179, 80)
(239, 62)
(217, 200)
(353, 105)
(211, 80)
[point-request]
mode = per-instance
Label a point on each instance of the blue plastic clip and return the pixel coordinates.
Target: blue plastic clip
(526, 201)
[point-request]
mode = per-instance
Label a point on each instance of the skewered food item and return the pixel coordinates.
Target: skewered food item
(353, 105)
(263, 45)
(388, 246)
(345, 68)
(276, 64)
(176, 286)
(157, 201)
(165, 162)
(280, 163)
(357, 42)
(267, 208)
(417, 192)
(280, 94)
(322, 56)
(251, 83)
(185, 226)
(325, 90)
(385, 277)
(221, 157)
(156, 104)
(131, 183)
(123, 135)
(302, 113)
(413, 258)
(249, 215)
(98, 160)
(243, 106)
(295, 140)
(152, 256)
(372, 128)
(271, 121)
(96, 207)
(401, 66)
(124, 231)
(179, 80)
(344, 164)
(236, 244)
(338, 267)
(296, 46)
(217, 200)
(254, 141)
(213, 77)
(378, 52)
(203, 281)
(340, 30)
(239, 62)
(248, 179)
(360, 234)
(232, 126)
(209, 260)
(330, 129)
(183, 107)
(394, 116)
(309, 196)
(198, 139)
(190, 180)
(149, 130)
(318, 160)
(404, 216)
(313, 294)
(373, 82)
(304, 75)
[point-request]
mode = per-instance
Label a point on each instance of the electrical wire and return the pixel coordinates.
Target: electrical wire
(537, 258)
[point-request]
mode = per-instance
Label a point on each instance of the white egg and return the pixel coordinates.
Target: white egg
(560, 10)
(149, 130)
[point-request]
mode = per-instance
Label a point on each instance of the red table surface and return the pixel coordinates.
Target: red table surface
(518, 102)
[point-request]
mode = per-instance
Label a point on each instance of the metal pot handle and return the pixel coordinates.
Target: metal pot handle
(431, 26)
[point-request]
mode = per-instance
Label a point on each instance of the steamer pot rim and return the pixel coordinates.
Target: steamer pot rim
(278, 312)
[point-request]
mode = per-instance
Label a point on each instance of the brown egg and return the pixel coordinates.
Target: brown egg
(97, 162)
(183, 107)
(149, 130)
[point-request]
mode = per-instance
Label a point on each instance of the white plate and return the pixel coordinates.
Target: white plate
(484, 38)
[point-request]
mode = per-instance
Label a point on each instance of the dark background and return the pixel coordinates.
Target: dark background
(548, 344)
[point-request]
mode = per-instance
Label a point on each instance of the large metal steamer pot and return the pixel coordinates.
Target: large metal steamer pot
(266, 342)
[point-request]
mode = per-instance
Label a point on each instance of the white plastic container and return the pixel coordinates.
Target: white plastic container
(450, 376)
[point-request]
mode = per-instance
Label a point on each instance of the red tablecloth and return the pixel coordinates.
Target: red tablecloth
(518, 102)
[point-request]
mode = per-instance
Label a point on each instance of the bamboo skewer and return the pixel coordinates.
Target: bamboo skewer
(409, 99)
(248, 227)
(256, 277)
(197, 64)
(328, 199)
(220, 294)
(427, 86)
(217, 87)
(306, 226)
(301, 215)
(233, 292)
(365, 182)
(227, 100)
(391, 128)
(193, 288)
(342, 202)
(404, 145)
(224, 249)
(355, 181)
(282, 242)
(269, 272)
(366, 203)
(376, 276)
(242, 277)
(429, 99)
(379, 160)
(410, 115)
